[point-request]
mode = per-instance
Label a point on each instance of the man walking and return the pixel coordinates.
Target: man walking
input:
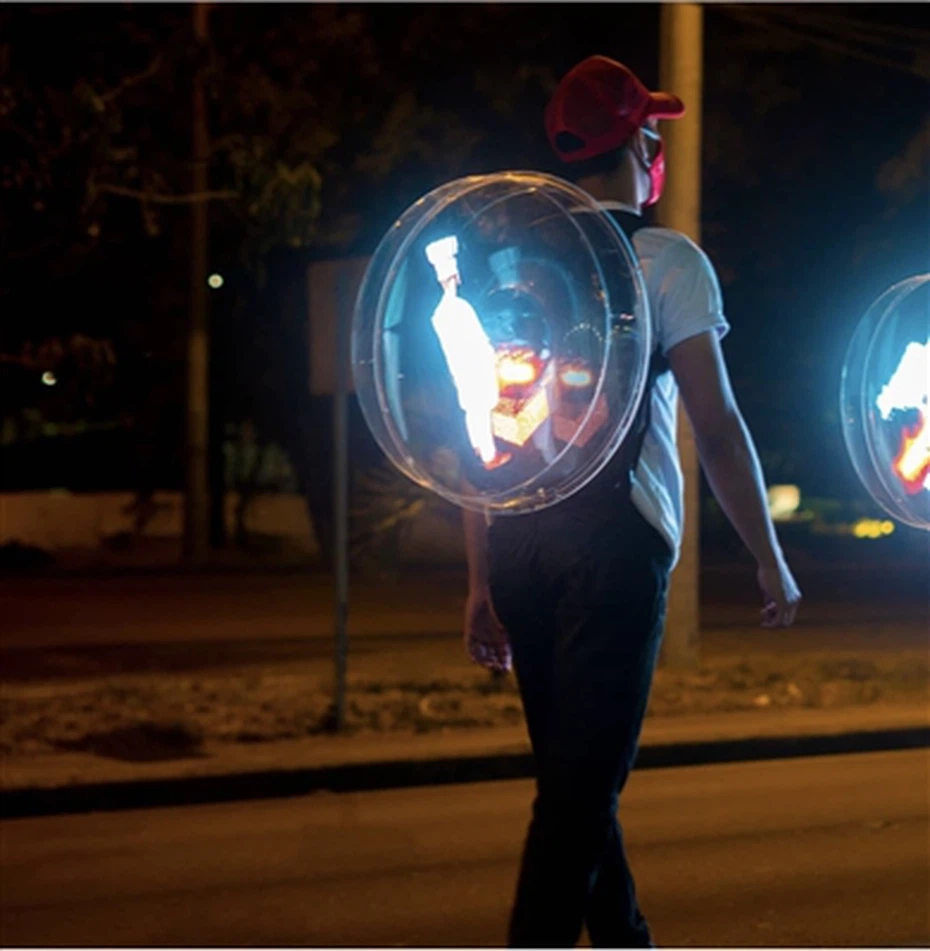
(575, 595)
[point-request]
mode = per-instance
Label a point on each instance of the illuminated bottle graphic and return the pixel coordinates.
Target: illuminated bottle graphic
(907, 389)
(469, 354)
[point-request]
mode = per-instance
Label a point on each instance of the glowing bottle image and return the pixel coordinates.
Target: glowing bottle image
(469, 353)
(907, 389)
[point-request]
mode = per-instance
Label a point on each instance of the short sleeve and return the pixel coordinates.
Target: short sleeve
(684, 293)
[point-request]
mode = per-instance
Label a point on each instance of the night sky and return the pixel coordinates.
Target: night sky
(815, 189)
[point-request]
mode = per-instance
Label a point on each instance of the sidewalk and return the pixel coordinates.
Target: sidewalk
(418, 713)
(79, 782)
(129, 693)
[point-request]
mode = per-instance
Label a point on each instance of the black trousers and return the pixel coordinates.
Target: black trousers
(581, 590)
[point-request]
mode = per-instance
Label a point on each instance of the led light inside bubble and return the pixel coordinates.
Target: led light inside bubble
(884, 401)
(501, 341)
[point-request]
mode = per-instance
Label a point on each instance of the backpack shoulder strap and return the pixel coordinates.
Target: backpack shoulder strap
(617, 473)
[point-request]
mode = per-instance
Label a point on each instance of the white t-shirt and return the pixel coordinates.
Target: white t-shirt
(684, 301)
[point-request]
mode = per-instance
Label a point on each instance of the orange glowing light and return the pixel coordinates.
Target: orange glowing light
(517, 368)
(912, 464)
(513, 371)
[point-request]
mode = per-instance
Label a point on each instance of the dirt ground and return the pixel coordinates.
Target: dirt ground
(430, 688)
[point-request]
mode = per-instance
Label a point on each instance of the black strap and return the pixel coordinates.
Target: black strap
(632, 447)
(616, 475)
(629, 222)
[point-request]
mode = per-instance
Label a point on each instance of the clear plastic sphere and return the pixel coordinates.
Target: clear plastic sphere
(501, 341)
(883, 397)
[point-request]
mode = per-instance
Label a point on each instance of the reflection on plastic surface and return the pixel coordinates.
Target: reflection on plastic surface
(501, 341)
(884, 401)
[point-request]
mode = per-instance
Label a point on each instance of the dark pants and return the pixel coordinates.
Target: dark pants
(582, 594)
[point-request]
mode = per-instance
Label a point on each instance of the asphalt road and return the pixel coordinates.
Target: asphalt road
(73, 627)
(59, 611)
(833, 851)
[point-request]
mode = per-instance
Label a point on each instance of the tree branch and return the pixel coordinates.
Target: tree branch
(17, 130)
(133, 80)
(747, 14)
(158, 199)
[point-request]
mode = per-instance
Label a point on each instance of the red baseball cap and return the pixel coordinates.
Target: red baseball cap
(598, 105)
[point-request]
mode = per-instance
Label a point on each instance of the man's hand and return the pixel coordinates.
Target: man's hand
(781, 595)
(485, 638)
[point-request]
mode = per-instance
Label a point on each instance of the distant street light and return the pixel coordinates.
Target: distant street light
(784, 501)
(215, 281)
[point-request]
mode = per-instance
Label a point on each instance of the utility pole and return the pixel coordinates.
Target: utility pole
(681, 52)
(196, 499)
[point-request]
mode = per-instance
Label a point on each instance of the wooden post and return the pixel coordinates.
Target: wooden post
(681, 72)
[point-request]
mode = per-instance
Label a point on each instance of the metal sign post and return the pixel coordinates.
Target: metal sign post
(341, 497)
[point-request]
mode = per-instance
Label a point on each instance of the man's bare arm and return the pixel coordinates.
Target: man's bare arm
(731, 464)
(485, 638)
(476, 549)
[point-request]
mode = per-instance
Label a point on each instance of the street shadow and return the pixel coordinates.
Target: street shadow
(140, 743)
(79, 662)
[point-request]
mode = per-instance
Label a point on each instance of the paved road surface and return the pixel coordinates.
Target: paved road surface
(189, 609)
(826, 852)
